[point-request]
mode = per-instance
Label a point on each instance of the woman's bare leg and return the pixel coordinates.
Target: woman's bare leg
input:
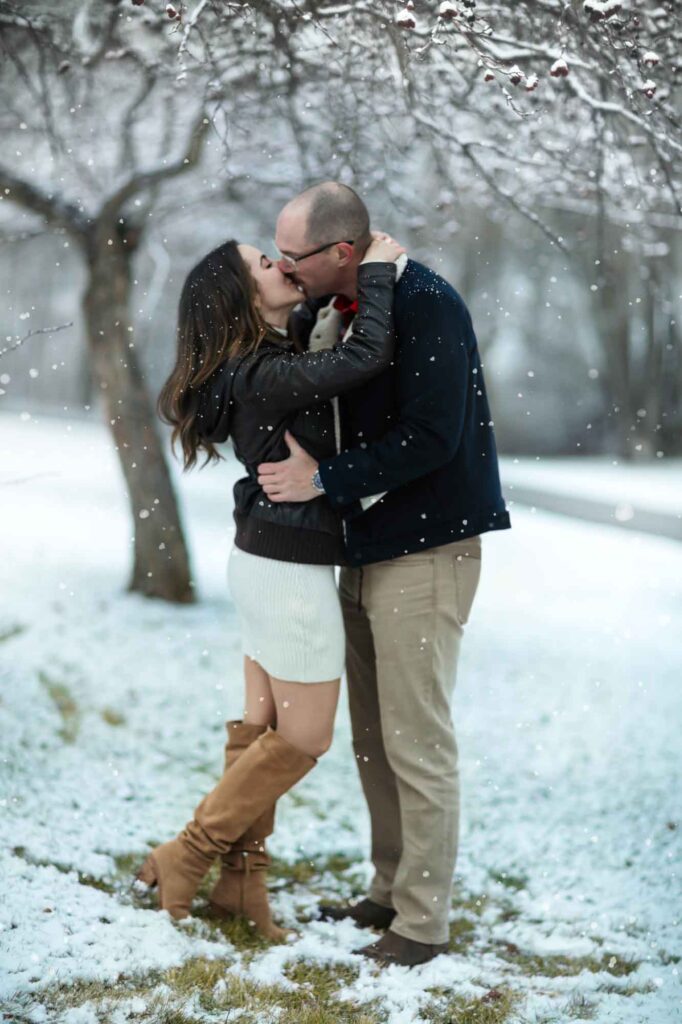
(259, 705)
(305, 713)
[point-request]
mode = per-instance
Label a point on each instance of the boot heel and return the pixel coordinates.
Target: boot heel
(147, 874)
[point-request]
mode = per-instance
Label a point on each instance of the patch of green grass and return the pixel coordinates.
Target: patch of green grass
(315, 1002)
(619, 967)
(195, 976)
(323, 979)
(562, 965)
(299, 873)
(461, 934)
(128, 863)
(94, 883)
(66, 705)
(202, 986)
(112, 717)
(631, 989)
(212, 989)
(516, 882)
(172, 1015)
(473, 903)
(579, 1007)
(335, 1013)
(509, 913)
(305, 871)
(476, 903)
(58, 998)
(311, 1002)
(235, 930)
(494, 1007)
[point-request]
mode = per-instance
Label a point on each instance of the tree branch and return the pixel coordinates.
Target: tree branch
(143, 180)
(53, 208)
(32, 334)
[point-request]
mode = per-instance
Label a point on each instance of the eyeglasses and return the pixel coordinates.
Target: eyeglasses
(293, 261)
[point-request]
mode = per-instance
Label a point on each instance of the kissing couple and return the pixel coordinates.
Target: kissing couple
(348, 379)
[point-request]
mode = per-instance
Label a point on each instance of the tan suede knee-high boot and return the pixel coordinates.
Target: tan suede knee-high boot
(241, 890)
(265, 771)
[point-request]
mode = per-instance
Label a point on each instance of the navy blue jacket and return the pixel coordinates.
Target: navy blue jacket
(421, 430)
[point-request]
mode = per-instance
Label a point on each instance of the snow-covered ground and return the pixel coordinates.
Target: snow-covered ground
(628, 486)
(568, 714)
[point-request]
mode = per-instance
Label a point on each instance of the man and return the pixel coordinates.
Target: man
(416, 481)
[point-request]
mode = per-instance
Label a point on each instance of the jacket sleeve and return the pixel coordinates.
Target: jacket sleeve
(292, 380)
(433, 374)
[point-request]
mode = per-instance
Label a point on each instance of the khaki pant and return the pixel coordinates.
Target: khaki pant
(404, 620)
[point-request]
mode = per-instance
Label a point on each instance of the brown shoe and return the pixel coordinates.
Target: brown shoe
(395, 949)
(367, 913)
(265, 771)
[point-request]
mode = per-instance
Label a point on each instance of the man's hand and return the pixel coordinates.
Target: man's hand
(291, 479)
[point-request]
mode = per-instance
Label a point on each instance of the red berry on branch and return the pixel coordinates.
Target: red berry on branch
(448, 11)
(405, 19)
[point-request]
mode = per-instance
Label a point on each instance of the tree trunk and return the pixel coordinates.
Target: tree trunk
(649, 424)
(161, 562)
(610, 311)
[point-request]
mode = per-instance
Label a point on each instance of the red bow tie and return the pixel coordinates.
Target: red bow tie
(346, 308)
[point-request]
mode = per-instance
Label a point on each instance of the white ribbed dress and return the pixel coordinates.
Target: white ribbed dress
(289, 615)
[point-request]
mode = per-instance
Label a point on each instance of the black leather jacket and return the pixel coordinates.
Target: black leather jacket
(254, 399)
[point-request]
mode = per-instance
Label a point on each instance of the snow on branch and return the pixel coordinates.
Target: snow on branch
(523, 95)
(548, 63)
(32, 334)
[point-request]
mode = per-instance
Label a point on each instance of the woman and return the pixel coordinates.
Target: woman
(237, 376)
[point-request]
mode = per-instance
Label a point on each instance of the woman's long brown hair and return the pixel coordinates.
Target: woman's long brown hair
(217, 318)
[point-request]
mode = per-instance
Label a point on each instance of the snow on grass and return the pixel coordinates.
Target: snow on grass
(112, 713)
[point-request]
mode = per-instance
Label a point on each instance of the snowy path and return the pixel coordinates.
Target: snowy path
(568, 714)
(644, 497)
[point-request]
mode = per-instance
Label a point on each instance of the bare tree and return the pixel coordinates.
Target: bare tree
(564, 111)
(81, 168)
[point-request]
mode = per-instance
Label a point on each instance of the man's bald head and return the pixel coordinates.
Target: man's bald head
(331, 212)
(314, 230)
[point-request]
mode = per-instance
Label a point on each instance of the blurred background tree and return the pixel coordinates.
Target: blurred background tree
(529, 152)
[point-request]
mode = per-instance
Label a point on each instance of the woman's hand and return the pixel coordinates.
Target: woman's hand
(383, 249)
